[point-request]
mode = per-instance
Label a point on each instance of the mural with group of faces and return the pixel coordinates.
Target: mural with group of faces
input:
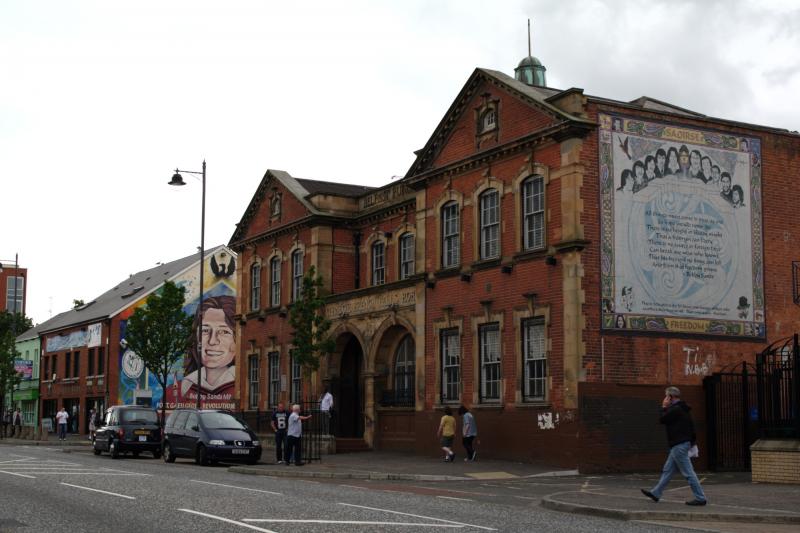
(213, 345)
(681, 229)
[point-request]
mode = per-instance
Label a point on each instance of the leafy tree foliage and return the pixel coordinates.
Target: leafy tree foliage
(160, 332)
(11, 326)
(309, 325)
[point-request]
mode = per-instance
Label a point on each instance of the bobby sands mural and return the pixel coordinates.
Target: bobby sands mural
(213, 327)
(681, 229)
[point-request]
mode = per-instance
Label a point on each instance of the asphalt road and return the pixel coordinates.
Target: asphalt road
(44, 489)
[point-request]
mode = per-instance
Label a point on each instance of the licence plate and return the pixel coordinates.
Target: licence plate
(142, 438)
(142, 432)
(240, 452)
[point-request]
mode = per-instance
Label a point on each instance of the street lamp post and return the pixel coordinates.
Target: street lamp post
(177, 180)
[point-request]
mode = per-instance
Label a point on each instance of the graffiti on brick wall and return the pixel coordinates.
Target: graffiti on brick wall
(698, 362)
(547, 420)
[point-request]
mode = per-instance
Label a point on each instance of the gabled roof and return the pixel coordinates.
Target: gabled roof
(125, 293)
(32, 333)
(336, 189)
(302, 189)
(534, 96)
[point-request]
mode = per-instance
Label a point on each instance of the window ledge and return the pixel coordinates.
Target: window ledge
(440, 406)
(487, 407)
(532, 405)
(527, 255)
(448, 272)
(394, 409)
(485, 264)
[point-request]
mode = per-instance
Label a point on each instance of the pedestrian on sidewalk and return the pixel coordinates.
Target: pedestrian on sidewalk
(676, 417)
(6, 422)
(16, 423)
(61, 419)
(92, 423)
(279, 423)
(326, 407)
(446, 433)
(294, 435)
(469, 432)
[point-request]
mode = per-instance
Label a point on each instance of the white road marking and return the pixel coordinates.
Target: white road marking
(16, 460)
(352, 522)
(228, 520)
(16, 474)
(454, 498)
(88, 474)
(353, 486)
(235, 487)
(98, 490)
(417, 516)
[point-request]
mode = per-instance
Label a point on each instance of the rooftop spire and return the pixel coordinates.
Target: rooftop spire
(530, 70)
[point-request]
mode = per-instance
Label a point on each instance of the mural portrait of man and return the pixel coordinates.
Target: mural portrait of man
(217, 351)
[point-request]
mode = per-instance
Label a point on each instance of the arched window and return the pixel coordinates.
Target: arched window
(489, 216)
(450, 235)
(378, 263)
(275, 282)
(488, 120)
(533, 213)
(255, 287)
(297, 275)
(404, 370)
(406, 255)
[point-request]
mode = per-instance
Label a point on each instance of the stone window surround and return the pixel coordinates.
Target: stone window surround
(297, 246)
(528, 170)
(449, 195)
(520, 315)
(401, 231)
(476, 321)
(276, 253)
(445, 323)
(366, 251)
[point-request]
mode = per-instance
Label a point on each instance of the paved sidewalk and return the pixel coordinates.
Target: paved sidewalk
(402, 466)
(732, 498)
(72, 440)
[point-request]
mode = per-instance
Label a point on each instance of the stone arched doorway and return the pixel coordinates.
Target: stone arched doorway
(347, 388)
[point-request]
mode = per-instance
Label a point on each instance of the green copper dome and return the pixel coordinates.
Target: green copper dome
(531, 72)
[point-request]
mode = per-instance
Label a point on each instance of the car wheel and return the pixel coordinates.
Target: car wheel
(94, 448)
(112, 449)
(168, 455)
(201, 456)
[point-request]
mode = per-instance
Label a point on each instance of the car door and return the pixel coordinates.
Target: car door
(175, 433)
(102, 433)
(191, 433)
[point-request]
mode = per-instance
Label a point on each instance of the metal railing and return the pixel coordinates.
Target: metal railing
(778, 377)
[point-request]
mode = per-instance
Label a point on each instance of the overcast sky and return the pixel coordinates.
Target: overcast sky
(100, 101)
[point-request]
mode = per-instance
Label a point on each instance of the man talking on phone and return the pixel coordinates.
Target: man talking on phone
(681, 437)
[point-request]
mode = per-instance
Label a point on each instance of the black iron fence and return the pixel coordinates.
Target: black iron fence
(778, 369)
(314, 429)
(731, 417)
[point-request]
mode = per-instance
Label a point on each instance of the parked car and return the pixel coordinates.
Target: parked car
(128, 429)
(209, 436)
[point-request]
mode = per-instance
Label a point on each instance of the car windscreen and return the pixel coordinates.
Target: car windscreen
(138, 416)
(221, 421)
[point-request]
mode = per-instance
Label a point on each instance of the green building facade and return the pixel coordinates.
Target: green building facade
(25, 395)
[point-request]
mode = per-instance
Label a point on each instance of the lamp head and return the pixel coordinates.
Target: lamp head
(177, 179)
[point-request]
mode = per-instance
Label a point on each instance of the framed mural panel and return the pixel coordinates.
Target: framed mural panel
(681, 229)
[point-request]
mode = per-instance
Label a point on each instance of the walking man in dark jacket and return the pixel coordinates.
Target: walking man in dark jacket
(681, 437)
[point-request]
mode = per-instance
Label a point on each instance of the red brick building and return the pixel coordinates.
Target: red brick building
(549, 258)
(13, 282)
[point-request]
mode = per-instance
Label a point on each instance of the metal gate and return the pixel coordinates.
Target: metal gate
(779, 389)
(313, 429)
(731, 417)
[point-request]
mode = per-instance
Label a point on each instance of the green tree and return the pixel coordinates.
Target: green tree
(11, 325)
(77, 303)
(160, 332)
(309, 326)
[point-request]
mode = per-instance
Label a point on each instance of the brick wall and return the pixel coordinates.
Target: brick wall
(620, 431)
(776, 466)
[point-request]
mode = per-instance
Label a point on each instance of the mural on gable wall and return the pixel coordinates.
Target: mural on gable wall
(217, 351)
(681, 229)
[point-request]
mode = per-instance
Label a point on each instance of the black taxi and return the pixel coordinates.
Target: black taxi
(128, 429)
